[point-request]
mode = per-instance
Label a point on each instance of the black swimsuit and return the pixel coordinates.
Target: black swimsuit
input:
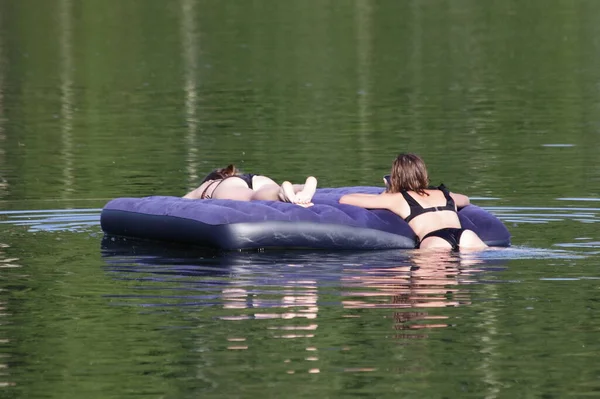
(450, 234)
(246, 177)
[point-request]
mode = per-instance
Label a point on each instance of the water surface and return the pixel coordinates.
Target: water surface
(102, 99)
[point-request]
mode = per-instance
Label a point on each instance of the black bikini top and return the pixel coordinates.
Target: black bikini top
(247, 178)
(416, 209)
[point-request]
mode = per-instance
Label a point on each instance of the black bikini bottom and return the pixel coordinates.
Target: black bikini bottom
(451, 235)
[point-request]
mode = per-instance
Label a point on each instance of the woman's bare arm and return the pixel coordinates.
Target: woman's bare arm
(370, 201)
(460, 200)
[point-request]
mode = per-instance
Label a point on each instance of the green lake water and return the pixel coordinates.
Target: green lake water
(104, 98)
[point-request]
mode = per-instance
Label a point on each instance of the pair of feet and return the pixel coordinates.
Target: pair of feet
(299, 195)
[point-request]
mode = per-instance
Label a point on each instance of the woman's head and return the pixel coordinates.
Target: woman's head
(221, 173)
(408, 173)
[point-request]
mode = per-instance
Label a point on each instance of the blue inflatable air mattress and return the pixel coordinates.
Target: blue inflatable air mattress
(227, 224)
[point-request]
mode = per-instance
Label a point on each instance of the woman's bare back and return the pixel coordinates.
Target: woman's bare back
(440, 219)
(430, 221)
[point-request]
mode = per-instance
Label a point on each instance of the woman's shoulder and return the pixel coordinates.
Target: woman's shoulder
(441, 187)
(432, 187)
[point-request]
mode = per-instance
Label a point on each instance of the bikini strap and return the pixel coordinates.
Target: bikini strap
(412, 203)
(410, 200)
(449, 199)
(203, 195)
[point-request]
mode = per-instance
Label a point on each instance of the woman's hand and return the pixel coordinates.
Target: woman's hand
(460, 200)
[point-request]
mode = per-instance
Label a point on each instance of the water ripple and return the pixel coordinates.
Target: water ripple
(73, 220)
(543, 215)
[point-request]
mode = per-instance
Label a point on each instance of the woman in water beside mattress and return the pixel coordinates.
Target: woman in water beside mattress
(230, 183)
(430, 212)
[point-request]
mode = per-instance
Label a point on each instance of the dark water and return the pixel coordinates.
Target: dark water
(100, 99)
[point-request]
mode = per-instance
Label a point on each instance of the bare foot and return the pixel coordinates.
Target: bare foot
(286, 194)
(305, 196)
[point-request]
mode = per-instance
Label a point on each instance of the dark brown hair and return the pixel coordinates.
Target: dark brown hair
(221, 173)
(408, 173)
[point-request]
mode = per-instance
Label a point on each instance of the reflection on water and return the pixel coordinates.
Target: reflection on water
(134, 98)
(332, 83)
(190, 53)
(300, 294)
(312, 312)
(364, 37)
(66, 98)
(296, 313)
(3, 182)
(5, 263)
(309, 312)
(425, 280)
